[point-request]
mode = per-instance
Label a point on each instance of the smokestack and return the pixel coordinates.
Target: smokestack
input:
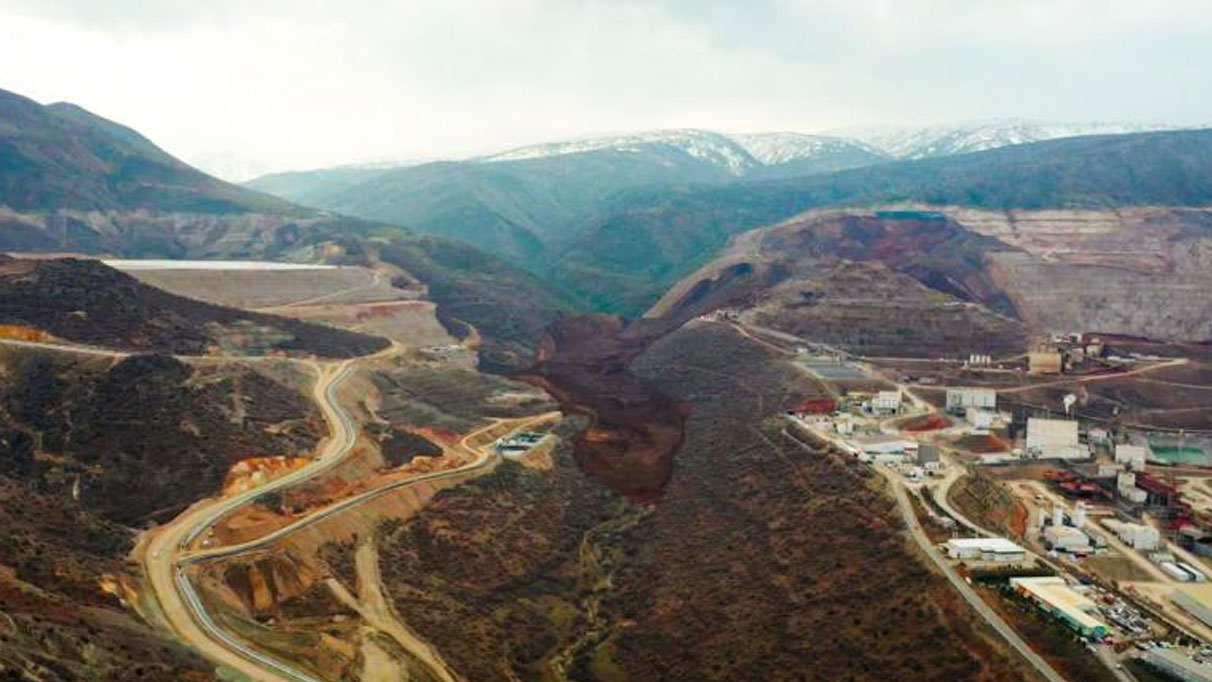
(1041, 518)
(1058, 515)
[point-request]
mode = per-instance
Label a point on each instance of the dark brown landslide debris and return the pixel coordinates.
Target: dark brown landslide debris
(634, 428)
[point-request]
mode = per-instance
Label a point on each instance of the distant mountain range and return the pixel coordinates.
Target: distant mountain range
(646, 237)
(922, 142)
(612, 219)
(605, 223)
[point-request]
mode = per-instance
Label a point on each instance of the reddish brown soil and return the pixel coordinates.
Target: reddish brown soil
(634, 429)
(932, 422)
(982, 444)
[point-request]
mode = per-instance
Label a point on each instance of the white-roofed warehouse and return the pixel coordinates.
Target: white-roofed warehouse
(985, 549)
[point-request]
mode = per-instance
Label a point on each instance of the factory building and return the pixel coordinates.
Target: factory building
(1054, 596)
(1097, 435)
(985, 549)
(960, 399)
(882, 449)
(979, 418)
(1044, 362)
(1132, 456)
(1054, 439)
(1125, 483)
(1195, 600)
(1135, 535)
(1178, 665)
(1066, 539)
(886, 402)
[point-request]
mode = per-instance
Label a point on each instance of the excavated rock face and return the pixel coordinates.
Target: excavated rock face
(1141, 272)
(264, 583)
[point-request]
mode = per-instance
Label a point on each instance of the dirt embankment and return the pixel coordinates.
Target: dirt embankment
(634, 429)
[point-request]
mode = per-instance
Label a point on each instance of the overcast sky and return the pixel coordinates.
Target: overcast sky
(246, 86)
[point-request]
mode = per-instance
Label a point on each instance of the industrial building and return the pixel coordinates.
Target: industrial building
(1066, 538)
(985, 549)
(1178, 665)
(1053, 595)
(1132, 456)
(927, 453)
(883, 449)
(1195, 600)
(1044, 362)
(979, 418)
(1125, 483)
(886, 402)
(1054, 439)
(1097, 435)
(960, 399)
(518, 444)
(1135, 535)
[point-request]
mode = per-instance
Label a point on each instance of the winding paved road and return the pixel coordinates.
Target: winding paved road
(166, 571)
(168, 556)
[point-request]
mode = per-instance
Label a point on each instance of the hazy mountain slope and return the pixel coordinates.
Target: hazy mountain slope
(513, 208)
(521, 202)
(73, 182)
(652, 237)
(313, 187)
(61, 156)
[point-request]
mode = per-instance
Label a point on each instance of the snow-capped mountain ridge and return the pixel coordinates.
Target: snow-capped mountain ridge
(919, 142)
(704, 145)
(740, 154)
(782, 147)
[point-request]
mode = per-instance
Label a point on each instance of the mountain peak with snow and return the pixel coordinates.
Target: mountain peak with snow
(927, 141)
